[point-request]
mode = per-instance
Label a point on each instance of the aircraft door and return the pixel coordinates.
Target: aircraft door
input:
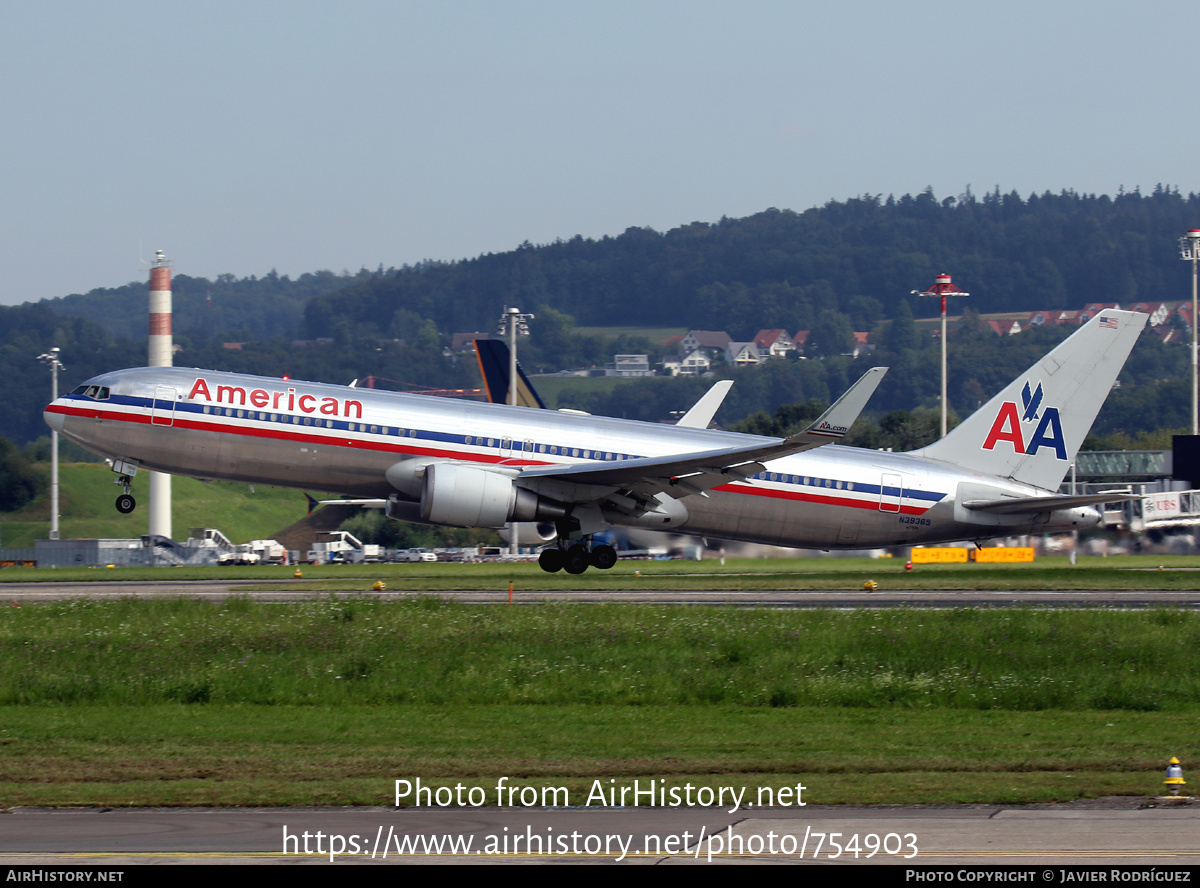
(891, 491)
(162, 408)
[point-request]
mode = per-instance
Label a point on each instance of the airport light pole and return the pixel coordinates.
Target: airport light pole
(1189, 249)
(513, 322)
(943, 288)
(50, 359)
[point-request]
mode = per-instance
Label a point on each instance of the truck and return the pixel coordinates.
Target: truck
(343, 547)
(268, 551)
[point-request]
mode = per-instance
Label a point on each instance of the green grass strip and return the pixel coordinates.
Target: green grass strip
(185, 702)
(360, 650)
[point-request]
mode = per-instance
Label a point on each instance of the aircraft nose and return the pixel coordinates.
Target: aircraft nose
(53, 419)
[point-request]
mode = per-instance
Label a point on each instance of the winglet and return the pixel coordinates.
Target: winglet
(835, 422)
(830, 426)
(705, 409)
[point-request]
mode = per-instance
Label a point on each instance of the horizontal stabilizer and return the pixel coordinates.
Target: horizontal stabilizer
(1031, 504)
(374, 503)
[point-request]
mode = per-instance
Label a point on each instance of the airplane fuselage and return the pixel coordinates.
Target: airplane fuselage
(210, 424)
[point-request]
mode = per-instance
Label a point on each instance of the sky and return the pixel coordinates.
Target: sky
(241, 137)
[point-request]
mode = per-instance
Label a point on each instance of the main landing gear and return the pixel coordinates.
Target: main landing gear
(577, 557)
(125, 502)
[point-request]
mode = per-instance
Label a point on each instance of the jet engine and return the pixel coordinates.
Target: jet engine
(461, 496)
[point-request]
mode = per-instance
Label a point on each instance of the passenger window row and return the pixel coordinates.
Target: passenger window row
(547, 449)
(805, 480)
(530, 447)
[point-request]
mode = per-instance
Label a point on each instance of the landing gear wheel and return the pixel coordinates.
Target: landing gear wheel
(603, 557)
(551, 560)
(576, 559)
(126, 504)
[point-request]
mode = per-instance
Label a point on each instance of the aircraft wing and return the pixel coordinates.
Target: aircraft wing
(680, 475)
(1016, 504)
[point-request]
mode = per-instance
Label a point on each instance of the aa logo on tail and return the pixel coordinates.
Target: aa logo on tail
(1032, 402)
(1007, 426)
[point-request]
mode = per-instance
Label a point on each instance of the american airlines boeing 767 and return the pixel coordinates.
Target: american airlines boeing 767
(484, 465)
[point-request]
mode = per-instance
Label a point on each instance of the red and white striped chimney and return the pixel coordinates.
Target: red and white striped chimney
(160, 355)
(160, 312)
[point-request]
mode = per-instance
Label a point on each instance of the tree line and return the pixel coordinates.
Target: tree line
(846, 266)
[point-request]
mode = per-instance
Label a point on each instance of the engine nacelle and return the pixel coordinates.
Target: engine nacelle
(408, 475)
(461, 496)
(402, 510)
(529, 532)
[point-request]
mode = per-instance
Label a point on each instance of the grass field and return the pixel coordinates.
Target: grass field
(88, 493)
(359, 650)
(183, 702)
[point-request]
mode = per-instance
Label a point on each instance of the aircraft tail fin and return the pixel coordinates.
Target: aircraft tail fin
(493, 367)
(1031, 431)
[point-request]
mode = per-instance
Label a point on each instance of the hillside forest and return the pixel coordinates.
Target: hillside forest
(849, 266)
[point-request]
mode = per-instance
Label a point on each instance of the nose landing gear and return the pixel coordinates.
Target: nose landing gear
(125, 502)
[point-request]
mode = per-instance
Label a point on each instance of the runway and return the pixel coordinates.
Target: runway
(1103, 832)
(268, 591)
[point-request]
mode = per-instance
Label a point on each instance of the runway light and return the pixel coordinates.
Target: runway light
(379, 586)
(908, 565)
(870, 586)
(298, 574)
(1174, 776)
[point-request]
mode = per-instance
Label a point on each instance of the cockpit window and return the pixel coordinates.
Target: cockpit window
(96, 392)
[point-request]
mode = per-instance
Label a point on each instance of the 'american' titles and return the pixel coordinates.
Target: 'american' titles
(275, 400)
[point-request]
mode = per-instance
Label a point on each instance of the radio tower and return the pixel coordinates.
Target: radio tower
(160, 356)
